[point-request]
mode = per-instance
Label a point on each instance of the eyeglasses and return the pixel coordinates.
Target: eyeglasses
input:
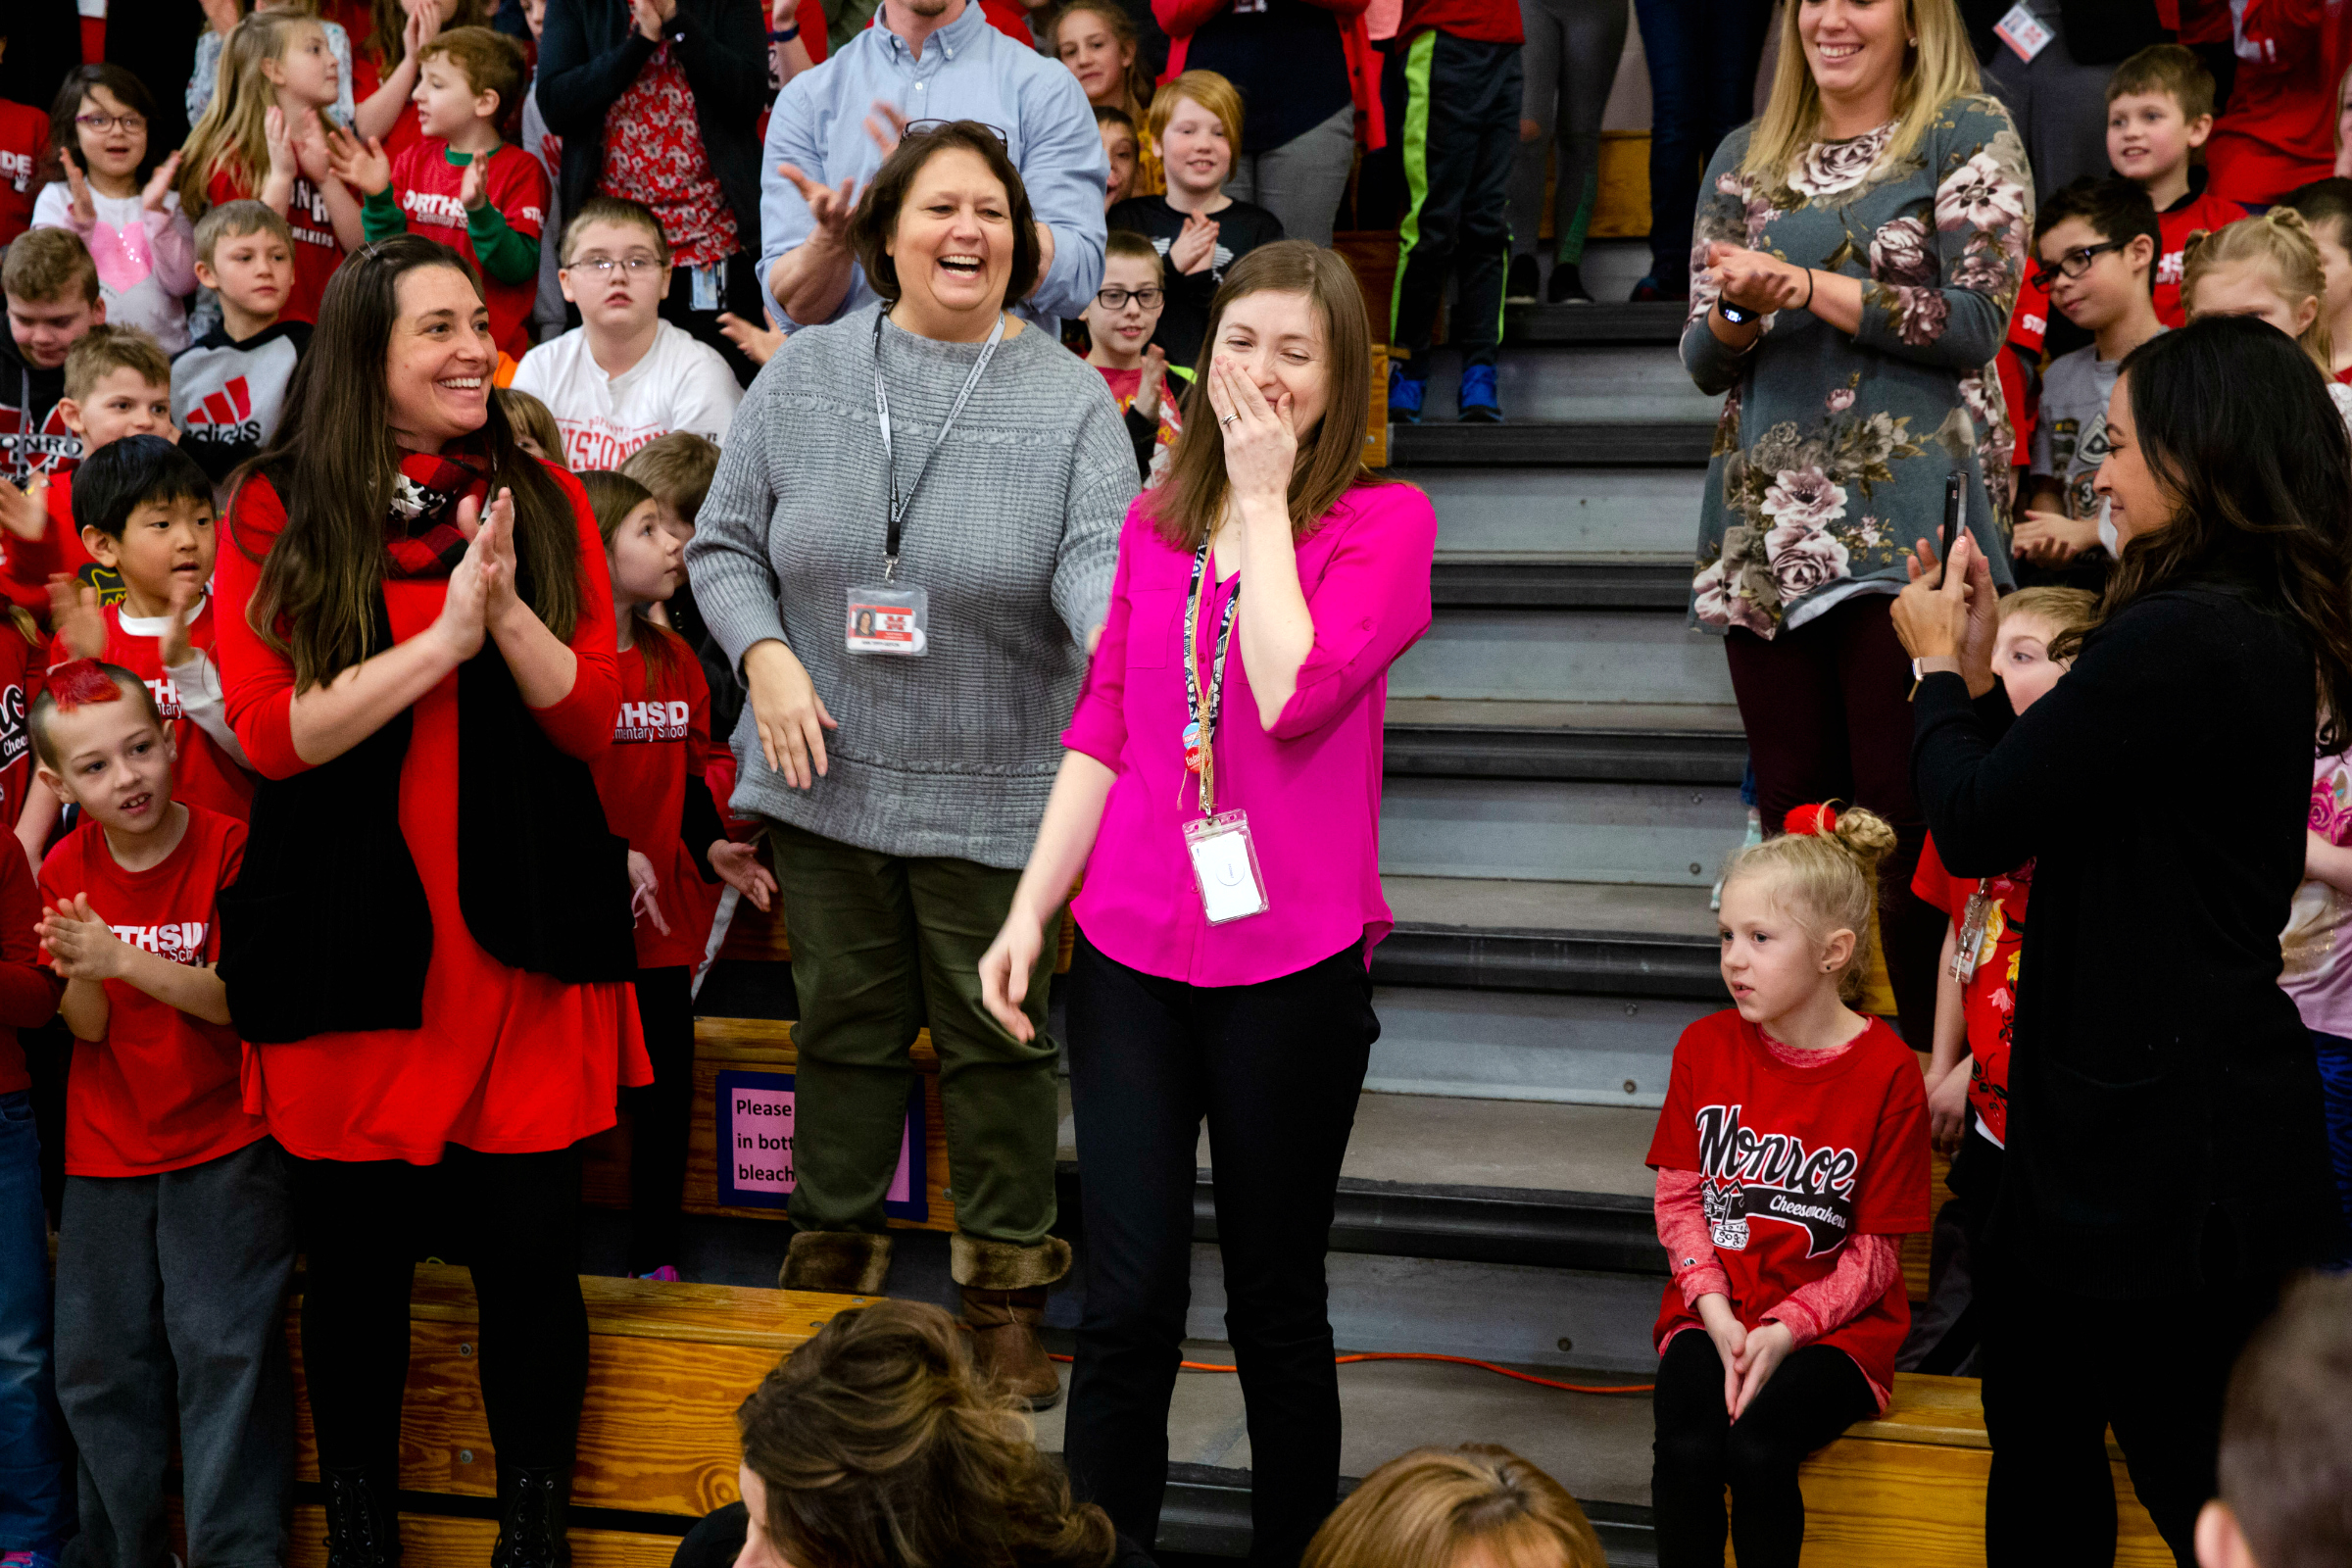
(102, 124)
(1115, 299)
(2077, 261)
(929, 127)
(602, 266)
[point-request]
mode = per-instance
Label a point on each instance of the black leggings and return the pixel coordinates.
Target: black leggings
(658, 1117)
(1827, 710)
(1814, 1396)
(1275, 1068)
(514, 1220)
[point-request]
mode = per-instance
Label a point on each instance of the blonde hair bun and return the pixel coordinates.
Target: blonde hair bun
(1825, 873)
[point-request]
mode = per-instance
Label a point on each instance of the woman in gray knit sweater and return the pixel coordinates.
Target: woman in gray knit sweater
(911, 669)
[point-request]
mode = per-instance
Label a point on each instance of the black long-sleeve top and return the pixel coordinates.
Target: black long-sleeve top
(2165, 1122)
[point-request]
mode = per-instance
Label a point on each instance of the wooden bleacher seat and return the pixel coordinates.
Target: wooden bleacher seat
(667, 1364)
(1908, 1491)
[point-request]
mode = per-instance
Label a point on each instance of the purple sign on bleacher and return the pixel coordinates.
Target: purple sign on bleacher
(757, 1130)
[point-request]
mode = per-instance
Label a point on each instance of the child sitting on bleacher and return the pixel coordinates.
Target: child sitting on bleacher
(1975, 995)
(651, 781)
(178, 1240)
(1475, 1506)
(1791, 1155)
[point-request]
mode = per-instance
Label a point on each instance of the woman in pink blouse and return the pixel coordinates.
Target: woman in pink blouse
(1221, 793)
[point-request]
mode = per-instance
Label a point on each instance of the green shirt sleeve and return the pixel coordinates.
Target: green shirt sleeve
(380, 215)
(506, 255)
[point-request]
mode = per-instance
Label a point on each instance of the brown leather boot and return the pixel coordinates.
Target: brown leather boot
(1003, 1325)
(1004, 1287)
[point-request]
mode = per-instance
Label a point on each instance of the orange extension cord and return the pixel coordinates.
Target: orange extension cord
(1431, 1356)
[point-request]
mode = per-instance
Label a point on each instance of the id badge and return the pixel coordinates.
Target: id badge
(888, 619)
(2022, 31)
(703, 286)
(1225, 865)
(1970, 940)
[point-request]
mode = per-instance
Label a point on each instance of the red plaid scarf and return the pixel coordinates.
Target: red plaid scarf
(420, 531)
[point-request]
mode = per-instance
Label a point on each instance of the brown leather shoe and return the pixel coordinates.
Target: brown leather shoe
(1004, 1327)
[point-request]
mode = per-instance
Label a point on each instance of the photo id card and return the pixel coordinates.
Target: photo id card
(2022, 31)
(889, 619)
(1225, 865)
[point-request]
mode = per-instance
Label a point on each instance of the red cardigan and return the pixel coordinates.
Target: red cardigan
(1181, 19)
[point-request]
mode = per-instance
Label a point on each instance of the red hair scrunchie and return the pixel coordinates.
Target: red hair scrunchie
(1819, 819)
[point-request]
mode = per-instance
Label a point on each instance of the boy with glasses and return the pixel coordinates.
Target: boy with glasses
(2096, 243)
(623, 376)
(1119, 323)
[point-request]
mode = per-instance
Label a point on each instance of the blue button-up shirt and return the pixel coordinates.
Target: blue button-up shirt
(968, 71)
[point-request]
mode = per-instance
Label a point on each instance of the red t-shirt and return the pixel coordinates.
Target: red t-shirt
(160, 1091)
(2199, 209)
(28, 991)
(661, 739)
(427, 185)
(23, 142)
(1797, 1160)
(1989, 1001)
(22, 666)
(2280, 130)
(1483, 20)
(206, 775)
(316, 251)
(26, 565)
(1008, 17)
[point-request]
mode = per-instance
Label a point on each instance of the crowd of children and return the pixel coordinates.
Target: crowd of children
(159, 301)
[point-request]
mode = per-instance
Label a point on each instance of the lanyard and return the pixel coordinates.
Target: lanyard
(1201, 733)
(899, 503)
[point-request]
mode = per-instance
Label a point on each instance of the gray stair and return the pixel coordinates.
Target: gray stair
(1648, 443)
(1588, 656)
(1657, 324)
(1596, 512)
(1663, 836)
(1526, 1045)
(1436, 737)
(1625, 940)
(1559, 583)
(1607, 382)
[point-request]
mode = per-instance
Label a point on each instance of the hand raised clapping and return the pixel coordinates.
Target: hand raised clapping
(483, 586)
(1754, 281)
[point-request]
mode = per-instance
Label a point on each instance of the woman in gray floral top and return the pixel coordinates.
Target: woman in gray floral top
(1867, 233)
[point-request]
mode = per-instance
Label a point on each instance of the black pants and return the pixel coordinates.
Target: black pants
(1827, 716)
(658, 1117)
(2058, 1369)
(1816, 1393)
(740, 292)
(1453, 105)
(514, 1220)
(1275, 1068)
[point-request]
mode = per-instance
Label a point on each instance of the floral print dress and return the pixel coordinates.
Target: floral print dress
(1832, 448)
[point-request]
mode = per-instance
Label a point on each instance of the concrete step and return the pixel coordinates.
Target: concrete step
(1593, 656)
(1560, 581)
(1603, 1052)
(1596, 440)
(1578, 381)
(1435, 737)
(1621, 941)
(1656, 323)
(1604, 510)
(1664, 835)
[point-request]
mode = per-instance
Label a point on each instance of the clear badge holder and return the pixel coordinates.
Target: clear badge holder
(1225, 866)
(1970, 940)
(886, 618)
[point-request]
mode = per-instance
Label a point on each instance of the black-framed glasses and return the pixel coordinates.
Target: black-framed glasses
(1115, 299)
(2075, 263)
(102, 124)
(927, 127)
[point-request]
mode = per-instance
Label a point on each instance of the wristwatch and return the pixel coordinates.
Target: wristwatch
(1733, 313)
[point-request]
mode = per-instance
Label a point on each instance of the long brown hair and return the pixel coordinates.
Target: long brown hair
(1137, 81)
(613, 496)
(879, 1442)
(1331, 460)
(1427, 1508)
(2234, 420)
(334, 464)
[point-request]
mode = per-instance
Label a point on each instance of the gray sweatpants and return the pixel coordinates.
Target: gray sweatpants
(171, 1317)
(1570, 64)
(1301, 181)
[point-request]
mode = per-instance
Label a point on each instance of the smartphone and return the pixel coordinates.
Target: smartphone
(1955, 508)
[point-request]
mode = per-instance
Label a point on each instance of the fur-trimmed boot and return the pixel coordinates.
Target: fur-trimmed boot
(534, 1506)
(1004, 1287)
(363, 1519)
(836, 1262)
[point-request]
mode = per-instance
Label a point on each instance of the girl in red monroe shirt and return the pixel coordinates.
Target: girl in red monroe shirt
(1791, 1154)
(652, 783)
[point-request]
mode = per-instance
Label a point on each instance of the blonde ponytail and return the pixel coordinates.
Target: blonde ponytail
(2280, 239)
(1825, 873)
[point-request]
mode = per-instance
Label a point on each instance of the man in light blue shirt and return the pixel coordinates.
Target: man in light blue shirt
(925, 60)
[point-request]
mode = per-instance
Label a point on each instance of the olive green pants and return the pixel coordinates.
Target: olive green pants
(883, 944)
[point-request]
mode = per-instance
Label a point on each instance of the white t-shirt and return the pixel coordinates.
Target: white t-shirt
(680, 385)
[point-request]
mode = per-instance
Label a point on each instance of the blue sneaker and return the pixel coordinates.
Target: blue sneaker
(1404, 395)
(1478, 401)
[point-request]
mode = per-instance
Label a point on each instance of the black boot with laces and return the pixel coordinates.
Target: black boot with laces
(363, 1519)
(535, 1502)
